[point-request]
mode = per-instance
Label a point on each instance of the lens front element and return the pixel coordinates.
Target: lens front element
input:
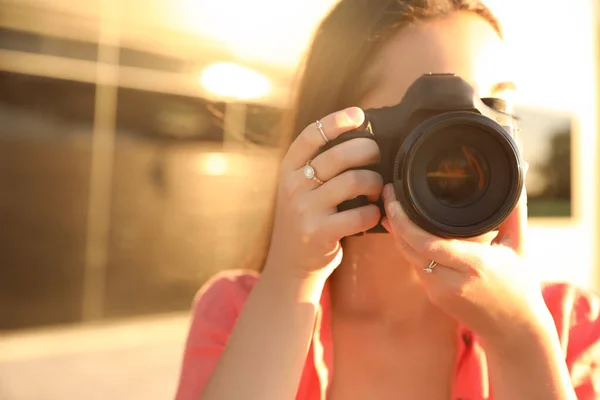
(458, 176)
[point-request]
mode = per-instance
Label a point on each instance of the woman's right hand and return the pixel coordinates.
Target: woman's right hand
(308, 227)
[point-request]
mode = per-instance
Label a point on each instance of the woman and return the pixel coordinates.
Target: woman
(373, 324)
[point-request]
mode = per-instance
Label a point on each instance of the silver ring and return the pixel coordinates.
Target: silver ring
(430, 267)
(309, 173)
(320, 128)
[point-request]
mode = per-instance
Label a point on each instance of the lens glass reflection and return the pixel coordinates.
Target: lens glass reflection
(458, 176)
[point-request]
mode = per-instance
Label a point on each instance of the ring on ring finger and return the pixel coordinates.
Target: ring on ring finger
(310, 173)
(430, 267)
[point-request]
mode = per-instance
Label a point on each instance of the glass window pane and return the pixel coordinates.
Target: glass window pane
(183, 205)
(547, 136)
(36, 43)
(45, 147)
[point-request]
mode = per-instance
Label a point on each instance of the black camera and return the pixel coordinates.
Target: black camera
(451, 155)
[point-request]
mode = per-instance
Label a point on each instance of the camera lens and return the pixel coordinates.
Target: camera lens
(458, 176)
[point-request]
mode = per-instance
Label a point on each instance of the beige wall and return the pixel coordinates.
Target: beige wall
(555, 64)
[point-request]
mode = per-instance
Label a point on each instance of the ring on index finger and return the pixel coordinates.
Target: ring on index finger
(321, 131)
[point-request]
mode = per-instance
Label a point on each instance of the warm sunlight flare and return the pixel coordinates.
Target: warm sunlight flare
(213, 164)
(542, 60)
(233, 81)
(276, 33)
(272, 31)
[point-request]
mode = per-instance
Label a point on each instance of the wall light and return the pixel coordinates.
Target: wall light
(232, 81)
(214, 164)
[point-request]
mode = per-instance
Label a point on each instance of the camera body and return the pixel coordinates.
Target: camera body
(452, 157)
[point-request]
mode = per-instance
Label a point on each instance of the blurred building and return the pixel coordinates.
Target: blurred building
(137, 153)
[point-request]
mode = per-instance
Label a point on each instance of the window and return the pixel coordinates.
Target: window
(45, 153)
(547, 147)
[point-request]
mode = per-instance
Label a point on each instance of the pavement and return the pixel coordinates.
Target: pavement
(134, 359)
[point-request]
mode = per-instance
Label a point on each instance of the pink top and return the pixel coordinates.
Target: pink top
(220, 301)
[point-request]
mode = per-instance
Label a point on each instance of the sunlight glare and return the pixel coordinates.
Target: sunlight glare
(233, 81)
(214, 164)
(272, 31)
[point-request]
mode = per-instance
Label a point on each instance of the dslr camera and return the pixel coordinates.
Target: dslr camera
(451, 156)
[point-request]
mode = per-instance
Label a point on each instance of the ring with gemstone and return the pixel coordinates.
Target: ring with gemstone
(430, 267)
(321, 131)
(309, 173)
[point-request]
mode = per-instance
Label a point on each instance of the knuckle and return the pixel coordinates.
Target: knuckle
(425, 246)
(301, 205)
(309, 230)
(478, 262)
(337, 155)
(355, 179)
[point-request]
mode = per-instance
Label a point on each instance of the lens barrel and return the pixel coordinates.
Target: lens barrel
(458, 174)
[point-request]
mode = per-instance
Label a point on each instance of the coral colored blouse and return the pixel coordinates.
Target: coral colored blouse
(219, 303)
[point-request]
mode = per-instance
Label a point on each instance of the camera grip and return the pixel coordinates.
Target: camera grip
(359, 201)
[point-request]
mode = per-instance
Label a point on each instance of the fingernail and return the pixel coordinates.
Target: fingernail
(388, 191)
(355, 115)
(393, 209)
(385, 192)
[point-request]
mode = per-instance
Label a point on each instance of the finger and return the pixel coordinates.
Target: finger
(511, 232)
(417, 261)
(310, 140)
(386, 224)
(460, 255)
(353, 221)
(344, 156)
(348, 186)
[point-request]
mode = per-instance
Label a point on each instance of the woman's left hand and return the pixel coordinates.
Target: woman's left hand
(488, 287)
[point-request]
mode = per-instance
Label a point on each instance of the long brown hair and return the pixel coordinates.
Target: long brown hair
(333, 73)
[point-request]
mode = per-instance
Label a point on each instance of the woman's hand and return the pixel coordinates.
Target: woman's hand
(488, 287)
(266, 350)
(307, 226)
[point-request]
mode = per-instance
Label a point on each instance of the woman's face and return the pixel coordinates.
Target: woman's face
(462, 43)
